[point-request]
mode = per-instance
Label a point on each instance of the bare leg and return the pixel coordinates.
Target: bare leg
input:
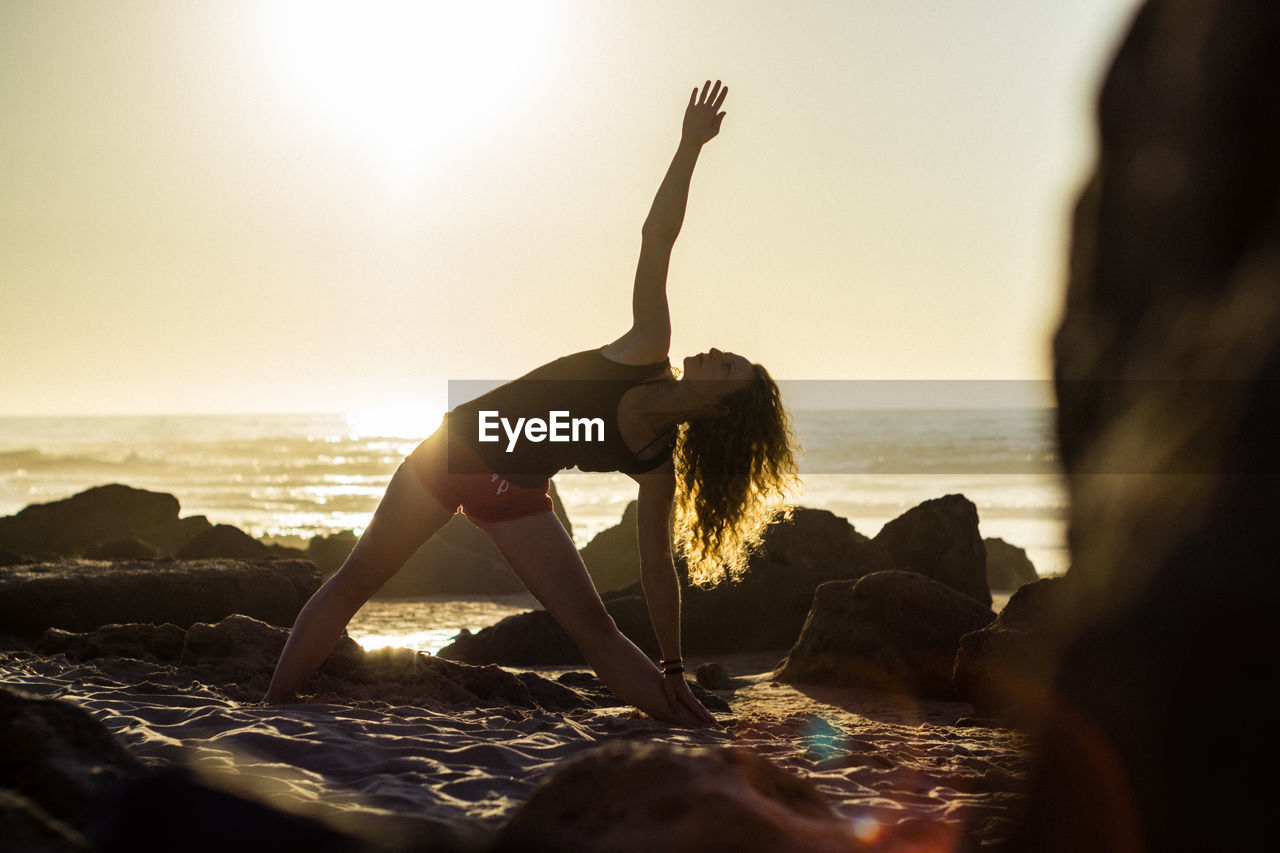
(407, 516)
(542, 555)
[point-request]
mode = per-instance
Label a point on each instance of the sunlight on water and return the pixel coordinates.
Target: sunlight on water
(295, 476)
(399, 422)
(430, 623)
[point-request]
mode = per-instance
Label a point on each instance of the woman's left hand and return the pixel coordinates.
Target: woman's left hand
(682, 701)
(702, 117)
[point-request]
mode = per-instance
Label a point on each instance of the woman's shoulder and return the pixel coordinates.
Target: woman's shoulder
(636, 350)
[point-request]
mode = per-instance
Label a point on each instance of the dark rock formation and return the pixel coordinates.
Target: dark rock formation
(61, 766)
(763, 612)
(329, 552)
(939, 539)
(226, 541)
(124, 548)
(1167, 369)
(27, 828)
(1005, 669)
(1008, 566)
(713, 676)
(612, 557)
(67, 527)
(82, 595)
(173, 809)
(644, 797)
(896, 631)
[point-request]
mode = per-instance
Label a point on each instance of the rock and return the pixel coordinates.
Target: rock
(612, 557)
(170, 538)
(160, 643)
(27, 828)
(897, 631)
(173, 809)
(224, 540)
(625, 797)
(1167, 361)
(1008, 566)
(100, 514)
(8, 558)
(124, 548)
(61, 759)
(1005, 669)
(713, 676)
(764, 612)
(329, 552)
(82, 595)
(939, 539)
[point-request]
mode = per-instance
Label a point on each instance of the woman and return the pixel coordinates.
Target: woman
(722, 421)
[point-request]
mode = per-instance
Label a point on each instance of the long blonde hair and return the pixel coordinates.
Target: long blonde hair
(734, 473)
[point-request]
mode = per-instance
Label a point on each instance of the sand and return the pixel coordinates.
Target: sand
(881, 761)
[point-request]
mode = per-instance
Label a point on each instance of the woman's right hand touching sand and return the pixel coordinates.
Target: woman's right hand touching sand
(685, 707)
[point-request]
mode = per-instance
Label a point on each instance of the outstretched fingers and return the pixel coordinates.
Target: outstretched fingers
(712, 96)
(719, 100)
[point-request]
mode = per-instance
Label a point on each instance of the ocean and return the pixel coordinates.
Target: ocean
(286, 478)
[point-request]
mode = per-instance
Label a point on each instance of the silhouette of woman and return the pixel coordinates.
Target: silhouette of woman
(724, 460)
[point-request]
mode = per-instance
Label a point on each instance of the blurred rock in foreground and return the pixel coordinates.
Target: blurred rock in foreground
(633, 798)
(1167, 372)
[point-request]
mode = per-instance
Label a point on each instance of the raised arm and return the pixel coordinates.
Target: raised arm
(650, 335)
(660, 583)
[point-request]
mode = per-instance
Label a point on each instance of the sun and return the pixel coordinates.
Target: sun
(402, 81)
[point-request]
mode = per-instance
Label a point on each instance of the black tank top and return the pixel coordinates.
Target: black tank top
(586, 386)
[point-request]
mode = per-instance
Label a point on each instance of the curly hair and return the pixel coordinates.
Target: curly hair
(733, 474)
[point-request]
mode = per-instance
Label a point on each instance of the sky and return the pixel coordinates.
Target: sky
(321, 207)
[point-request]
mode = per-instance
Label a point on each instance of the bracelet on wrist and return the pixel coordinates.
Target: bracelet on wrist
(671, 667)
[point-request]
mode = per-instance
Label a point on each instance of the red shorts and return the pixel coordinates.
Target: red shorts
(449, 469)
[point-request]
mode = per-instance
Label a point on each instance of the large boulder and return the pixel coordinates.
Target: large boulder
(1008, 566)
(102, 514)
(635, 798)
(1005, 669)
(82, 595)
(612, 557)
(764, 612)
(940, 539)
(1167, 362)
(896, 631)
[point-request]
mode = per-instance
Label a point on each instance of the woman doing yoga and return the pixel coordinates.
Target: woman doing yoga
(711, 449)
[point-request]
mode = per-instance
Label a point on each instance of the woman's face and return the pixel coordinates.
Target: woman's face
(729, 369)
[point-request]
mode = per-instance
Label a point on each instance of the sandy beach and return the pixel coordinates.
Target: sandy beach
(889, 767)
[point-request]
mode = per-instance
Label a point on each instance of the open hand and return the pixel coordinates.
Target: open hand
(685, 707)
(702, 117)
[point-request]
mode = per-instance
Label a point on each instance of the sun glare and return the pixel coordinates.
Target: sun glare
(404, 80)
